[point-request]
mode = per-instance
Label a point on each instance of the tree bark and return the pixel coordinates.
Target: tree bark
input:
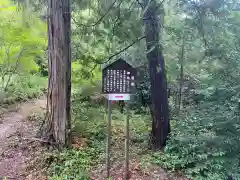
(156, 64)
(59, 67)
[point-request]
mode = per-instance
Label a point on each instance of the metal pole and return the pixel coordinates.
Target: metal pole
(126, 175)
(109, 138)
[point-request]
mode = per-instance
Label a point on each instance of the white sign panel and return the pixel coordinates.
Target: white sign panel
(119, 97)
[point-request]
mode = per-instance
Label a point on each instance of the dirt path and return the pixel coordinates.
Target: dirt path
(14, 128)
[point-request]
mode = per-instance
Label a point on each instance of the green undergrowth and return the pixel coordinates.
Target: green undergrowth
(74, 163)
(90, 124)
(22, 88)
(204, 145)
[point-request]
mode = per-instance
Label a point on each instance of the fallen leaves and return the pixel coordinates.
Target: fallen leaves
(79, 143)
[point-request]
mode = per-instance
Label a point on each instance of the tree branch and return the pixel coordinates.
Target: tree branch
(39, 140)
(124, 49)
(140, 4)
(15, 68)
(119, 21)
(100, 19)
(117, 53)
(201, 27)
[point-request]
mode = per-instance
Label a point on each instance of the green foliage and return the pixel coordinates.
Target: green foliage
(204, 143)
(88, 123)
(192, 153)
(22, 38)
(72, 163)
(81, 77)
(22, 88)
(142, 95)
(205, 140)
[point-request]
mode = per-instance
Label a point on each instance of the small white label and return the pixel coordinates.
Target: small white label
(118, 97)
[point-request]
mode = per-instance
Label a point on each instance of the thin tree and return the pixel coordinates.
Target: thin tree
(181, 77)
(59, 67)
(156, 65)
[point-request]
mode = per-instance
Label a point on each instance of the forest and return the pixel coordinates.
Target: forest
(183, 114)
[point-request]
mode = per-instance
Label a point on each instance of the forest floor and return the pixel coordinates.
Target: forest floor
(17, 145)
(138, 170)
(21, 152)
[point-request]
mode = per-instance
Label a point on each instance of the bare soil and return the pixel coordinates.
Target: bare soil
(16, 131)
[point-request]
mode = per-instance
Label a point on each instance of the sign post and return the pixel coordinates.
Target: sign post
(126, 175)
(109, 138)
(117, 82)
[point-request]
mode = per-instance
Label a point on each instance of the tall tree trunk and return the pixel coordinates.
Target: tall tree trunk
(159, 94)
(59, 66)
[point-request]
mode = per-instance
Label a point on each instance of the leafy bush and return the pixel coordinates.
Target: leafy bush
(204, 144)
(23, 87)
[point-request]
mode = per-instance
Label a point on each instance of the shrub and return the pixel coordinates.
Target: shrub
(23, 87)
(204, 143)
